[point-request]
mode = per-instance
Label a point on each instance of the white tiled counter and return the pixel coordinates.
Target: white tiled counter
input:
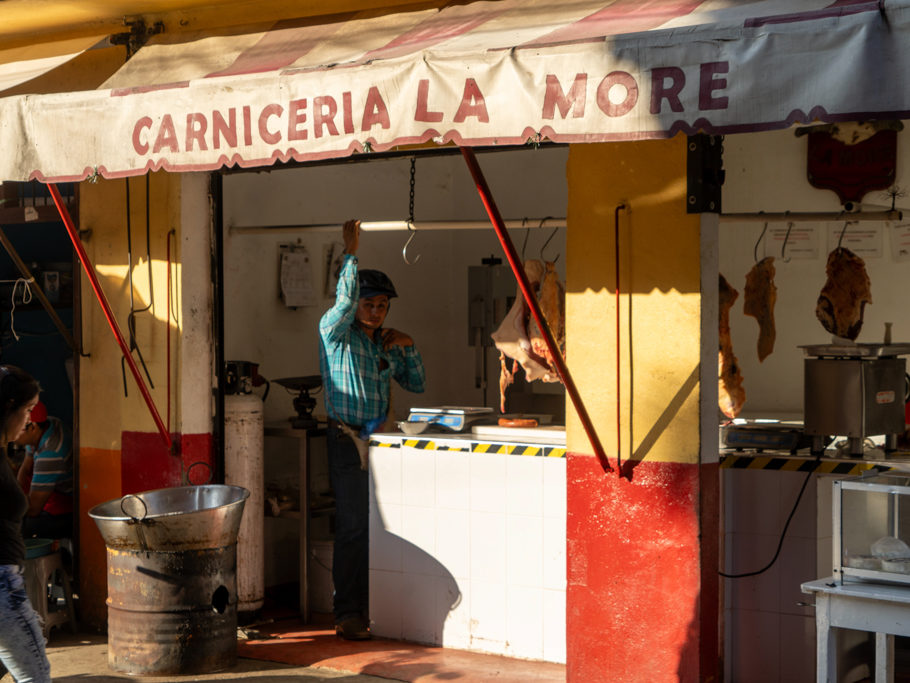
(468, 544)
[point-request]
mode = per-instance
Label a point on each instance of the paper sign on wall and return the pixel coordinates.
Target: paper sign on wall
(900, 242)
(296, 275)
(796, 241)
(863, 239)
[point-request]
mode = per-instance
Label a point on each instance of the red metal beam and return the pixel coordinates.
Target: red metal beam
(518, 269)
(102, 299)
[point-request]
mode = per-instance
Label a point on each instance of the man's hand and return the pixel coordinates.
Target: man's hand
(392, 338)
(351, 235)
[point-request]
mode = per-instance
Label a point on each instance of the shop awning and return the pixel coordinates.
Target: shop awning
(472, 73)
(19, 65)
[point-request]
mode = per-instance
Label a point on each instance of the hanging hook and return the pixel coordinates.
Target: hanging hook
(524, 224)
(783, 247)
(841, 238)
(411, 229)
(758, 241)
(552, 234)
(404, 252)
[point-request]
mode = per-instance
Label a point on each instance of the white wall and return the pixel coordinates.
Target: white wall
(432, 303)
(767, 172)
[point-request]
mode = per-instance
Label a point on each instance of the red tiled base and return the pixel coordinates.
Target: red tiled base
(317, 645)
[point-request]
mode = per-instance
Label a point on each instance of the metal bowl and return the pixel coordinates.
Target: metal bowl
(413, 428)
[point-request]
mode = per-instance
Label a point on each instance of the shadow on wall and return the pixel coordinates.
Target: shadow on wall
(411, 592)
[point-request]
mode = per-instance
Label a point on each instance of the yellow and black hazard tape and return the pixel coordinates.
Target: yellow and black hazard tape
(795, 464)
(475, 447)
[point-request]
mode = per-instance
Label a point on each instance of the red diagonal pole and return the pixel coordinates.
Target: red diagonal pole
(518, 269)
(102, 299)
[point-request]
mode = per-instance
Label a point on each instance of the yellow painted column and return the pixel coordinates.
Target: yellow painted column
(642, 539)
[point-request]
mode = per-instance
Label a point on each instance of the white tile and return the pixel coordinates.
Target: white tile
(754, 502)
(760, 592)
(797, 648)
(385, 542)
(524, 485)
(824, 561)
(418, 547)
(804, 522)
(488, 482)
(797, 565)
(453, 541)
(453, 612)
(554, 487)
(524, 622)
(488, 546)
(418, 477)
(419, 615)
(554, 626)
(554, 553)
(524, 551)
(488, 616)
(385, 603)
(385, 474)
(453, 480)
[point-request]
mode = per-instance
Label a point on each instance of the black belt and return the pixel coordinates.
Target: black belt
(337, 425)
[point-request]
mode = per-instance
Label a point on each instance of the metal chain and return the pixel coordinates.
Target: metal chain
(411, 196)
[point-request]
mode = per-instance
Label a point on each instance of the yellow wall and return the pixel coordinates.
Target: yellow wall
(659, 298)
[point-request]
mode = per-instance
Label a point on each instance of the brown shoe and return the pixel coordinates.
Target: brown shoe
(353, 628)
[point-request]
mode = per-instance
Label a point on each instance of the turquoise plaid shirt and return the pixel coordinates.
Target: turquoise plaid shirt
(356, 390)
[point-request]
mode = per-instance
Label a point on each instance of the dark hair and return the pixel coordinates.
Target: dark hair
(17, 388)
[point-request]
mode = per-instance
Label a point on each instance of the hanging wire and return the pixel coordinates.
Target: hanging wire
(783, 247)
(552, 234)
(758, 241)
(26, 299)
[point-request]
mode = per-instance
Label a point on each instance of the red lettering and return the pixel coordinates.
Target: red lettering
(196, 125)
(346, 113)
(472, 103)
(268, 111)
(374, 111)
(297, 117)
(247, 126)
(227, 129)
(324, 110)
(138, 145)
(554, 97)
(422, 113)
(660, 91)
(167, 136)
(707, 84)
(623, 79)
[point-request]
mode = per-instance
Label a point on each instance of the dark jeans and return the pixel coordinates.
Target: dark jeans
(351, 552)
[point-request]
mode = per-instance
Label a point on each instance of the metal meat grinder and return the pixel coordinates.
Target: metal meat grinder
(856, 391)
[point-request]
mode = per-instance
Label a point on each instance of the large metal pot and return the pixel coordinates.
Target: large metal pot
(180, 518)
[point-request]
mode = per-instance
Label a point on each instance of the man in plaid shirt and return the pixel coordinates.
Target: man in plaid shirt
(358, 358)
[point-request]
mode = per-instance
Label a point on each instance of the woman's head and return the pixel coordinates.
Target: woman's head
(18, 395)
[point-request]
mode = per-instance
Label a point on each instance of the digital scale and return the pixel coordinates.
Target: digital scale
(453, 418)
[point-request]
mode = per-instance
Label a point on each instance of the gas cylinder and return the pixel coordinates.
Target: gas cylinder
(243, 466)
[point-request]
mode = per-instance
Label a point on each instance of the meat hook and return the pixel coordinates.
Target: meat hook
(841, 238)
(404, 252)
(758, 241)
(552, 234)
(783, 247)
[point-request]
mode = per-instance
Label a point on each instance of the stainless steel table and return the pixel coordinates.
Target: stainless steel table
(882, 609)
(284, 429)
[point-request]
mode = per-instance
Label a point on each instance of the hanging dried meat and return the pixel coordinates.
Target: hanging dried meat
(844, 297)
(759, 298)
(730, 393)
(516, 338)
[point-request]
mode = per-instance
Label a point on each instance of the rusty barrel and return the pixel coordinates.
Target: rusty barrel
(172, 579)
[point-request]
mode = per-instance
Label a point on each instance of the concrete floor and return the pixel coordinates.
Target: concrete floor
(76, 658)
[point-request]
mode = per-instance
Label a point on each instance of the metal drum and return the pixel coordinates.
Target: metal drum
(172, 581)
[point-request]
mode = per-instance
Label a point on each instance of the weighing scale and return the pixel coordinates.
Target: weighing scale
(453, 418)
